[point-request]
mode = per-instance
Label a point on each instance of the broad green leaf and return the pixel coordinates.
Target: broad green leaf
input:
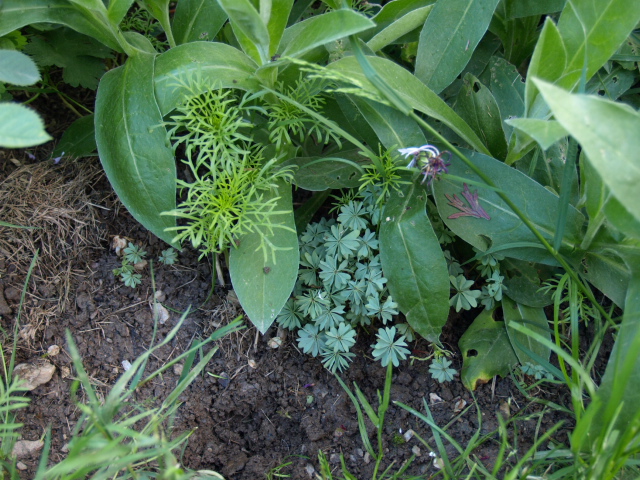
(344, 112)
(449, 36)
(507, 88)
(619, 394)
(278, 16)
(475, 104)
(89, 21)
(117, 10)
(518, 35)
(216, 64)
(17, 68)
(594, 191)
(548, 62)
(132, 144)
(477, 65)
(413, 262)
(79, 139)
(320, 30)
(505, 229)
(338, 170)
(486, 351)
(612, 84)
(394, 130)
(403, 25)
(608, 133)
(524, 279)
(620, 218)
(534, 319)
(608, 273)
(391, 12)
(262, 286)
(545, 132)
(197, 20)
(20, 127)
(592, 30)
(412, 91)
(249, 28)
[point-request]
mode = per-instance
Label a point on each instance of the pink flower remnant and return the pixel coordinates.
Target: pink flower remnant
(474, 209)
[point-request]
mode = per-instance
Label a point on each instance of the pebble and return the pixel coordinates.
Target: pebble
(12, 294)
(177, 368)
(26, 448)
(334, 458)
(34, 374)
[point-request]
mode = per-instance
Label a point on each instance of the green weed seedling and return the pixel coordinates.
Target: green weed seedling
(133, 255)
(11, 392)
(377, 418)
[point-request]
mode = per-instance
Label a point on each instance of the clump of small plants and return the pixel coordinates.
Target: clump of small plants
(133, 256)
(341, 286)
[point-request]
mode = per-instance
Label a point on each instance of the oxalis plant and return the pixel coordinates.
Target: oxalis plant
(515, 125)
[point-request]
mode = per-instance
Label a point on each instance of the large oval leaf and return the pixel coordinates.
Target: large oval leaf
(197, 20)
(132, 146)
(20, 127)
(216, 64)
(263, 286)
(413, 92)
(340, 170)
(608, 133)
(503, 228)
(532, 318)
(486, 351)
(18, 13)
(449, 36)
(477, 106)
(413, 262)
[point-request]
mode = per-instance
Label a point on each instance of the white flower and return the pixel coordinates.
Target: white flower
(406, 152)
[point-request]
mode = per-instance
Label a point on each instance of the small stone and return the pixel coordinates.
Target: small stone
(367, 458)
(34, 374)
(126, 364)
(310, 470)
(408, 435)
(26, 448)
(53, 350)
(459, 405)
(334, 458)
(65, 372)
(160, 296)
(252, 363)
(352, 458)
(359, 452)
(160, 313)
(177, 368)
(434, 398)
(505, 410)
(21, 466)
(274, 342)
(416, 451)
(5, 309)
(224, 380)
(65, 448)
